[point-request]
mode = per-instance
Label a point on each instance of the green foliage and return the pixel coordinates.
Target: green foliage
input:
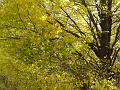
(49, 45)
(104, 85)
(14, 74)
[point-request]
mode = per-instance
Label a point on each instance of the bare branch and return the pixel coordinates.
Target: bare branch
(114, 56)
(117, 36)
(77, 27)
(63, 28)
(90, 26)
(116, 8)
(91, 17)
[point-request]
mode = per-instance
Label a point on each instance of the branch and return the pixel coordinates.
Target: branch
(94, 48)
(114, 56)
(91, 65)
(34, 25)
(91, 17)
(90, 26)
(98, 8)
(19, 14)
(116, 8)
(80, 55)
(63, 28)
(23, 21)
(77, 27)
(117, 36)
(74, 34)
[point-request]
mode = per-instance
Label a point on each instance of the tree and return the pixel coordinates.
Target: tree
(90, 46)
(100, 20)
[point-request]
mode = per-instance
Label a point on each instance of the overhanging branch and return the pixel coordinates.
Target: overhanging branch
(77, 27)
